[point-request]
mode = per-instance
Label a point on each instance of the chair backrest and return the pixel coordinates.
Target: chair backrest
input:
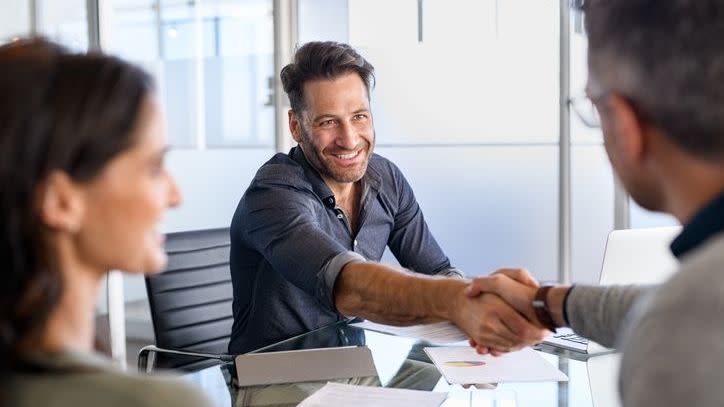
(191, 300)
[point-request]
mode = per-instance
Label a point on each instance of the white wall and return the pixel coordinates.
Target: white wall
(591, 210)
(14, 18)
(323, 19)
(488, 207)
(212, 181)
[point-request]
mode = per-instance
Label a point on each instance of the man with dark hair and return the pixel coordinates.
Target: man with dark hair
(311, 228)
(656, 77)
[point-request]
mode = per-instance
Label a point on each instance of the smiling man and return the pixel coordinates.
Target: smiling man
(311, 228)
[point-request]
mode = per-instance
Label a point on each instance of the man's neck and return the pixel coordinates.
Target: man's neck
(692, 188)
(343, 191)
(348, 196)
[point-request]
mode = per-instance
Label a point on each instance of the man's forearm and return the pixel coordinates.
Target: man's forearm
(383, 294)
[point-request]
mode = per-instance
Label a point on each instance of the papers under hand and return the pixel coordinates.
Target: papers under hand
(337, 394)
(440, 332)
(462, 365)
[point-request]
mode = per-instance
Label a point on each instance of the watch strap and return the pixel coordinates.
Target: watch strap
(542, 312)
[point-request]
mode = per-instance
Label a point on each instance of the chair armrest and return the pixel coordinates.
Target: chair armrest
(148, 353)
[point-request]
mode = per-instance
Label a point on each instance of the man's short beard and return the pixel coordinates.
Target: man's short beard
(314, 156)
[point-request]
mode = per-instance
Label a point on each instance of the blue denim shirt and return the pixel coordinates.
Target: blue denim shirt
(289, 242)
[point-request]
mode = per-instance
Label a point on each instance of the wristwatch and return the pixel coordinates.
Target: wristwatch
(542, 312)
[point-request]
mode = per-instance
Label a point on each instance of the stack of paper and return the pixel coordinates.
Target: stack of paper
(440, 332)
(336, 394)
(462, 365)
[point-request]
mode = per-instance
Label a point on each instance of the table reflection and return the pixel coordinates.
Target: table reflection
(402, 363)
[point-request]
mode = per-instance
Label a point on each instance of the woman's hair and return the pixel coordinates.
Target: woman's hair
(59, 111)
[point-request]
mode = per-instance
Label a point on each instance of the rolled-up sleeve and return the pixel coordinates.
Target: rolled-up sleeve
(280, 224)
(451, 272)
(331, 270)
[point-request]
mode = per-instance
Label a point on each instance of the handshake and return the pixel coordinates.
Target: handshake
(497, 313)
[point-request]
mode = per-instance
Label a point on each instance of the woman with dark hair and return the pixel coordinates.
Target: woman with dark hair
(82, 189)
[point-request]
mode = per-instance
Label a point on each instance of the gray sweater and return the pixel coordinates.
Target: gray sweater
(93, 381)
(671, 335)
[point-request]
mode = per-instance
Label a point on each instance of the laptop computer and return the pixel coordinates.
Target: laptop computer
(632, 256)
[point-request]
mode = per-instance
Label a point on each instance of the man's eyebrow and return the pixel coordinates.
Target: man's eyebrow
(323, 116)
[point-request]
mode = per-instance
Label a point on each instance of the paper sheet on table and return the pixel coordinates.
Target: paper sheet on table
(462, 365)
(440, 332)
(337, 394)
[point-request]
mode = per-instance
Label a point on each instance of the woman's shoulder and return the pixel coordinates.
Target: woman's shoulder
(98, 384)
(137, 390)
(105, 388)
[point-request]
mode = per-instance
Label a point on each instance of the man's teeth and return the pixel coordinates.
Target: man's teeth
(347, 156)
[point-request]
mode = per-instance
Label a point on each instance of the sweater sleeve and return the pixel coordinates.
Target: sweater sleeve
(599, 313)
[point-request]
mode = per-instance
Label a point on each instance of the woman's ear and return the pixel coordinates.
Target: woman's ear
(60, 202)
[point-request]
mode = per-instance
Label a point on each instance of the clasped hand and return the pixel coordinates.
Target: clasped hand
(497, 312)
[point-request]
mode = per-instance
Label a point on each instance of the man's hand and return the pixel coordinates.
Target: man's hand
(493, 325)
(517, 288)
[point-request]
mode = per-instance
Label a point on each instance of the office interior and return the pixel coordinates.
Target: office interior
(474, 101)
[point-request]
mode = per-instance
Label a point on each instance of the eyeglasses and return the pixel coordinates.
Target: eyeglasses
(586, 111)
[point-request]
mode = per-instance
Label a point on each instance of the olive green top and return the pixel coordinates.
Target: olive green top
(79, 379)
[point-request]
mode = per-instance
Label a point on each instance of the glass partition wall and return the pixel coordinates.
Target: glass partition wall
(213, 60)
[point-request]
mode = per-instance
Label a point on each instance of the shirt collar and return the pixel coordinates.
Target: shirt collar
(371, 179)
(705, 224)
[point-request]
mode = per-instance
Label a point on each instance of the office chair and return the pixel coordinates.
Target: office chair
(191, 303)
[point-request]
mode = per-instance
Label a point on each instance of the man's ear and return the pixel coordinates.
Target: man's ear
(631, 132)
(295, 126)
(60, 202)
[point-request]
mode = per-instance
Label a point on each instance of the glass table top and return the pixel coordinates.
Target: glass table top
(402, 363)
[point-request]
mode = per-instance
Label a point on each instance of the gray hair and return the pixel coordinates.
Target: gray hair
(667, 58)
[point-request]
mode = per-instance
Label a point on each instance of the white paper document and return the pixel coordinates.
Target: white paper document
(440, 332)
(462, 365)
(337, 394)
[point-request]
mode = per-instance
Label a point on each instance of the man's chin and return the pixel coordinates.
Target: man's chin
(347, 180)
(348, 176)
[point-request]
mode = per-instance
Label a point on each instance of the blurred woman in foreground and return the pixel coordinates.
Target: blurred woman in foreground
(82, 190)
